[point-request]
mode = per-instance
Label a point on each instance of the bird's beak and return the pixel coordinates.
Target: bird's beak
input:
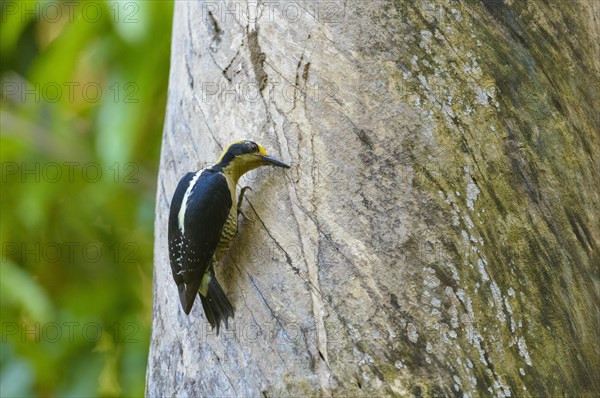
(272, 161)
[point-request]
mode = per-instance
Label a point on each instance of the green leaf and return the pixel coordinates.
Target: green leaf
(18, 288)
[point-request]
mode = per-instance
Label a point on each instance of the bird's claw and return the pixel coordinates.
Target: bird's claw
(245, 217)
(239, 203)
(241, 197)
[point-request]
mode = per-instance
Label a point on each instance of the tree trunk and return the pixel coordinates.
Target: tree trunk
(437, 233)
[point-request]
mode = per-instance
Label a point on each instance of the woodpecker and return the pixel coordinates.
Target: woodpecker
(203, 222)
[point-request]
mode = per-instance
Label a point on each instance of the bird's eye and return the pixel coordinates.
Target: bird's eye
(253, 147)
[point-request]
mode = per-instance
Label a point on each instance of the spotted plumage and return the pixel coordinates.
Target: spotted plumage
(202, 224)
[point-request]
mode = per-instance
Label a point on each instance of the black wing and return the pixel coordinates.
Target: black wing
(191, 248)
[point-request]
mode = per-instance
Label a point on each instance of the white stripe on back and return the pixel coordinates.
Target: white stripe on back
(181, 215)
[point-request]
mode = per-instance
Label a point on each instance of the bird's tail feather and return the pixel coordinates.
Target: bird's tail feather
(216, 306)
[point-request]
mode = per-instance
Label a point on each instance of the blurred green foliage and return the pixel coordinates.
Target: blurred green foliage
(84, 87)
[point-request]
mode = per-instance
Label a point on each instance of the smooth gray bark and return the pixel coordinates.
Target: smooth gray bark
(438, 231)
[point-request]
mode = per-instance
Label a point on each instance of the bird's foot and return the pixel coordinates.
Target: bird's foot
(245, 217)
(239, 203)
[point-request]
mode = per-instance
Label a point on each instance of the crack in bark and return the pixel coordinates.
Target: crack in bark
(215, 29)
(270, 309)
(297, 270)
(292, 84)
(266, 304)
(243, 298)
(373, 293)
(257, 58)
(167, 141)
(252, 313)
(163, 194)
(189, 28)
(318, 300)
(229, 66)
(288, 258)
(188, 130)
(304, 75)
(223, 369)
(189, 51)
(205, 120)
(189, 72)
